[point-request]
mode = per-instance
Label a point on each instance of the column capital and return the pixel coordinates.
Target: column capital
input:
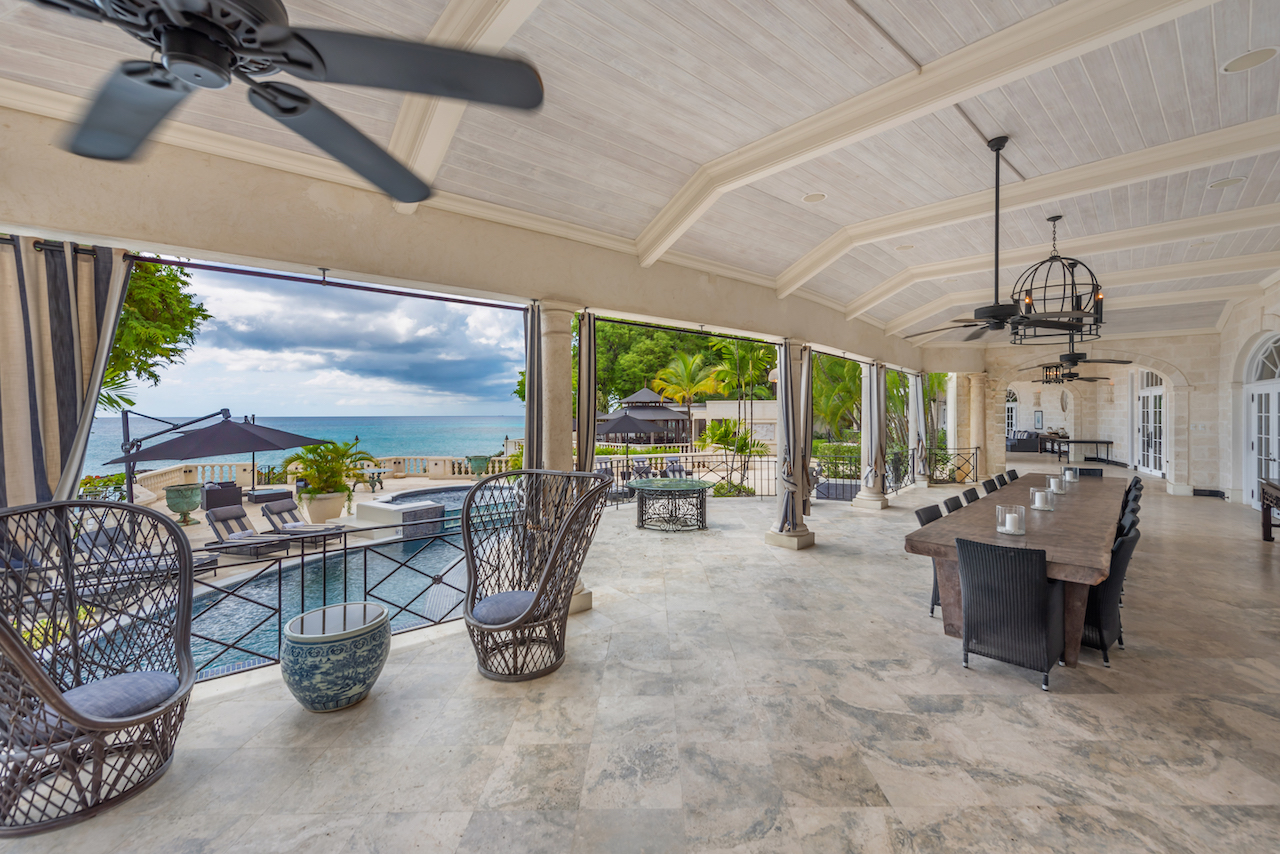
(556, 305)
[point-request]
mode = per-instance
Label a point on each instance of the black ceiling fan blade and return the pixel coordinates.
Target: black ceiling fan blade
(1108, 361)
(383, 63)
(941, 329)
(1064, 325)
(135, 98)
(1091, 379)
(977, 333)
(330, 132)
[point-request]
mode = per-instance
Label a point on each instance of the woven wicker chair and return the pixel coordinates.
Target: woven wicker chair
(1102, 614)
(924, 516)
(95, 657)
(1012, 609)
(525, 534)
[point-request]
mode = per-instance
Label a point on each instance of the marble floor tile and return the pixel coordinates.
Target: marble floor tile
(554, 720)
(867, 830)
(637, 678)
(629, 831)
(632, 775)
(766, 829)
(421, 832)
(536, 777)
(727, 775)
(814, 774)
(542, 832)
(635, 718)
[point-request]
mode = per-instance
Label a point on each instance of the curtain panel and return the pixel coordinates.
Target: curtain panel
(533, 387)
(795, 436)
(920, 439)
(59, 308)
(874, 427)
(586, 391)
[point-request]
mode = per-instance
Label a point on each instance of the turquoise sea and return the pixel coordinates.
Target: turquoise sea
(407, 435)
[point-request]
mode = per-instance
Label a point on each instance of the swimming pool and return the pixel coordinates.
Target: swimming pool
(422, 582)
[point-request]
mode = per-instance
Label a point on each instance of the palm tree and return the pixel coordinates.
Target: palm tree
(685, 378)
(837, 393)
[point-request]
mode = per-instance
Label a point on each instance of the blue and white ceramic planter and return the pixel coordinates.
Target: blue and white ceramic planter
(332, 656)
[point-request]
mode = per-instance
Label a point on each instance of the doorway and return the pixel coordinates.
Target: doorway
(1151, 418)
(1262, 420)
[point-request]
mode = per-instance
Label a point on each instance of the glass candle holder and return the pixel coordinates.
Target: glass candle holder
(1070, 474)
(1011, 519)
(1054, 484)
(1041, 499)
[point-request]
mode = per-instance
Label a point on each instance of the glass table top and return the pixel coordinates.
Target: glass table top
(668, 484)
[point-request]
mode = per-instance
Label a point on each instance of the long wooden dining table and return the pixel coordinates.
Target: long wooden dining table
(1076, 537)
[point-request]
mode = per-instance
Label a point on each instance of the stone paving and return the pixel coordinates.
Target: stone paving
(727, 696)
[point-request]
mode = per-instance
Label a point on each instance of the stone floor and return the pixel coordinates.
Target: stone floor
(727, 696)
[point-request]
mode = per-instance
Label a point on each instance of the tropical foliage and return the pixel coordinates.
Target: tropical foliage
(685, 378)
(327, 468)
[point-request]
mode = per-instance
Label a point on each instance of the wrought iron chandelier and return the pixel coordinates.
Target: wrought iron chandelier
(1061, 296)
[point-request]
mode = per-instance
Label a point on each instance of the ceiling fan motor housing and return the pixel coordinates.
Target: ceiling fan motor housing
(196, 59)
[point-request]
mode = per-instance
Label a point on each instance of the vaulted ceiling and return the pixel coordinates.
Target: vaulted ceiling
(692, 132)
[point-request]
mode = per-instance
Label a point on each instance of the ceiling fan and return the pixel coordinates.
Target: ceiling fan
(1064, 370)
(998, 315)
(205, 44)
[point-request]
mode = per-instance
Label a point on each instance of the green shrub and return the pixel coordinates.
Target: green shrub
(725, 489)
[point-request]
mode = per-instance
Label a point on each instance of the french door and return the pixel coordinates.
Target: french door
(1264, 438)
(1151, 430)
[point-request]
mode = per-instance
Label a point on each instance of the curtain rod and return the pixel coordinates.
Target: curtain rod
(663, 327)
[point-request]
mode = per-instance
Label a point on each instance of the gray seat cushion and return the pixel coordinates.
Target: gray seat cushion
(123, 695)
(502, 607)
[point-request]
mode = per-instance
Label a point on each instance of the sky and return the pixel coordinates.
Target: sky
(278, 348)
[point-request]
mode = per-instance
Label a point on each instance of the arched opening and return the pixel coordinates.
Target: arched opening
(1261, 418)
(1151, 420)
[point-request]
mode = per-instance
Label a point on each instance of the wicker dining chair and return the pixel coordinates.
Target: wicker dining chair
(525, 534)
(953, 504)
(989, 486)
(1012, 609)
(924, 516)
(95, 657)
(1102, 613)
(1090, 472)
(1001, 481)
(970, 495)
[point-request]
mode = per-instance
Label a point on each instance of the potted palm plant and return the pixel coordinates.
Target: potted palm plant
(326, 470)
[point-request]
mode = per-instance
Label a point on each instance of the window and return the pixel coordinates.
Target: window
(1267, 366)
(1150, 379)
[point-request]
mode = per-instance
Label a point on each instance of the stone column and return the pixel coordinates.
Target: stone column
(978, 420)
(557, 406)
(557, 386)
(871, 498)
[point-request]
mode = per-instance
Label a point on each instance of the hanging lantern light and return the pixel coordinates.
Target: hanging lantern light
(1059, 299)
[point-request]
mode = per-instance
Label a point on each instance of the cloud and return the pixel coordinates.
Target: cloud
(280, 347)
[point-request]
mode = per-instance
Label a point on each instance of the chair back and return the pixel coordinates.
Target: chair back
(1013, 475)
(91, 589)
(1012, 611)
(530, 530)
(1000, 481)
(925, 515)
(225, 521)
(1090, 472)
(1128, 523)
(282, 512)
(970, 495)
(952, 504)
(1102, 613)
(1136, 483)
(989, 486)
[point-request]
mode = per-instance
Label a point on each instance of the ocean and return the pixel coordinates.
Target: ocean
(404, 435)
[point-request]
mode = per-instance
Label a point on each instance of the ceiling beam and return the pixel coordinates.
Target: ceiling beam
(1261, 216)
(426, 125)
(1066, 31)
(1194, 152)
(1142, 276)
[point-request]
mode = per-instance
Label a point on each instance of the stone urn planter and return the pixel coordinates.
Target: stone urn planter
(479, 464)
(332, 656)
(323, 507)
(182, 498)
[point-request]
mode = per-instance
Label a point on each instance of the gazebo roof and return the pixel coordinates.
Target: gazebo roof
(644, 397)
(648, 413)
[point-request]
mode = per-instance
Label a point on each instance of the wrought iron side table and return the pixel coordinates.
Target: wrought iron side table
(671, 503)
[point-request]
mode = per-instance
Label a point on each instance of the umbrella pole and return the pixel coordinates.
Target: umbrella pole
(124, 444)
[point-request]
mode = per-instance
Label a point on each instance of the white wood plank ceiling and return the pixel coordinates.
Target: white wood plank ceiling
(656, 111)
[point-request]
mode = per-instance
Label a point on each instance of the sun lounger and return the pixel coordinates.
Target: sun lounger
(231, 526)
(284, 518)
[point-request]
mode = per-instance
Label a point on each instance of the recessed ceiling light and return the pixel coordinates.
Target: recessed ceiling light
(1225, 182)
(1252, 59)
(815, 197)
(904, 247)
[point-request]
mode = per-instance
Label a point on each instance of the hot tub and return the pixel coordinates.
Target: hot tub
(436, 509)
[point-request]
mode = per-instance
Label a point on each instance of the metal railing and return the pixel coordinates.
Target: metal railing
(959, 465)
(238, 622)
(900, 470)
(741, 475)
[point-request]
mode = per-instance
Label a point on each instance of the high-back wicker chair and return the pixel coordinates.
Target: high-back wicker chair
(525, 534)
(95, 657)
(1102, 613)
(924, 516)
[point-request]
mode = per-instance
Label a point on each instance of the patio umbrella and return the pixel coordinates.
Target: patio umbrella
(628, 424)
(220, 439)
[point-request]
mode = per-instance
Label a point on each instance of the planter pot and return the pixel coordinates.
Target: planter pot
(837, 489)
(327, 505)
(182, 499)
(332, 656)
(478, 464)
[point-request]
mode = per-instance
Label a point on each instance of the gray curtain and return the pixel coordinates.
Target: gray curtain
(586, 391)
(920, 439)
(533, 387)
(59, 308)
(795, 437)
(874, 427)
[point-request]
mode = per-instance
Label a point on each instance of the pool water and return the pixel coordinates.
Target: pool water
(450, 497)
(421, 582)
